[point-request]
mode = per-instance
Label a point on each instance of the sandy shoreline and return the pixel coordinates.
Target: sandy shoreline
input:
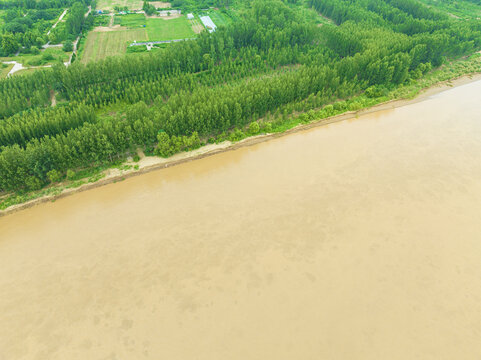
(149, 164)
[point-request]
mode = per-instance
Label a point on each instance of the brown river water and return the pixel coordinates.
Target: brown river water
(356, 240)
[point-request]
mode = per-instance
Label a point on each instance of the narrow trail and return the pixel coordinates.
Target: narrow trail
(55, 25)
(53, 98)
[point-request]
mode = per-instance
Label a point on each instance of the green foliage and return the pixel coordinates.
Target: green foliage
(67, 46)
(170, 145)
(54, 176)
(34, 50)
(75, 19)
(148, 8)
(70, 174)
(254, 128)
(236, 135)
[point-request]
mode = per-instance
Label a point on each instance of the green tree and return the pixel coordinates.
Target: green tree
(9, 44)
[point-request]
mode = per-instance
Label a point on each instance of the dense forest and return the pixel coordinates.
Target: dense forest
(265, 66)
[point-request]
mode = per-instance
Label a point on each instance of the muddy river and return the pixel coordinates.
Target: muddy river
(356, 240)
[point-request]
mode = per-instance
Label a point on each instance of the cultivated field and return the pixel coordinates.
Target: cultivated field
(130, 20)
(100, 45)
(111, 41)
(197, 27)
(160, 29)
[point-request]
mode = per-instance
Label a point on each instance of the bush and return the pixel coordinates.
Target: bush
(70, 174)
(54, 176)
(47, 56)
(34, 50)
(254, 128)
(33, 183)
(67, 46)
(136, 49)
(168, 146)
(236, 135)
(267, 127)
(163, 146)
(34, 62)
(355, 105)
(136, 158)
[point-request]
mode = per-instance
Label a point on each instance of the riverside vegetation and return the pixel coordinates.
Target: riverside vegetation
(270, 70)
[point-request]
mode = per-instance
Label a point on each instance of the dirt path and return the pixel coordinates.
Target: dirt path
(53, 98)
(59, 19)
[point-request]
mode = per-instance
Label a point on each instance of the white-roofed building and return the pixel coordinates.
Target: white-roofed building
(208, 23)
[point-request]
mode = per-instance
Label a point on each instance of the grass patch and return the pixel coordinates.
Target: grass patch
(4, 70)
(100, 45)
(130, 20)
(25, 72)
(172, 29)
(46, 57)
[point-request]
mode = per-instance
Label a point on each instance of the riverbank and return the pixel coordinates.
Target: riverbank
(151, 163)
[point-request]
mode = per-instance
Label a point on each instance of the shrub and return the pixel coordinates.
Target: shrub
(254, 128)
(33, 183)
(70, 174)
(47, 56)
(54, 176)
(267, 127)
(136, 49)
(34, 61)
(163, 146)
(34, 50)
(236, 135)
(67, 46)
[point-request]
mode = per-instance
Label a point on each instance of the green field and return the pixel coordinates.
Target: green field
(172, 29)
(100, 45)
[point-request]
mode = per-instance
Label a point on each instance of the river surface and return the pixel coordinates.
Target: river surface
(356, 240)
